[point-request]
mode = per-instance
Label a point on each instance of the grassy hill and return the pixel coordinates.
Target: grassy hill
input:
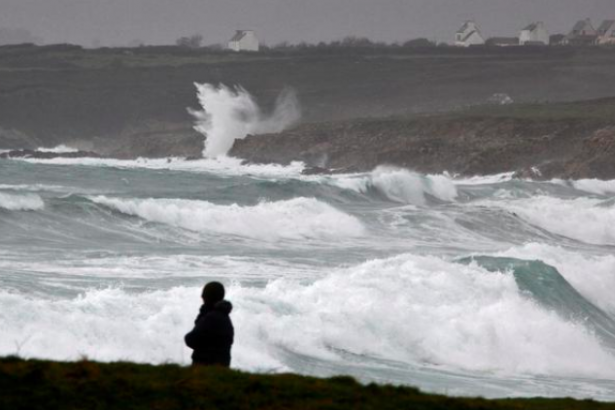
(88, 385)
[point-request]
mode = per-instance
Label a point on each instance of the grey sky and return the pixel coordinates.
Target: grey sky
(115, 22)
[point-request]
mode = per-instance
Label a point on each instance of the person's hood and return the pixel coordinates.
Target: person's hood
(224, 306)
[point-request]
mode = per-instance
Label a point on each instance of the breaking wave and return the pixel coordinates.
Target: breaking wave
(29, 202)
(427, 310)
(584, 219)
(410, 309)
(298, 218)
(229, 114)
(592, 275)
(60, 149)
(595, 186)
(401, 185)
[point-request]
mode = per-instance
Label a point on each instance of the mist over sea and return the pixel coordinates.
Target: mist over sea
(488, 286)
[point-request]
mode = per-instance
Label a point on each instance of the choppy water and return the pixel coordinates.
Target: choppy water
(487, 286)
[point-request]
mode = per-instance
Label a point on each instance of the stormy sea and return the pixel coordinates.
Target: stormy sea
(489, 285)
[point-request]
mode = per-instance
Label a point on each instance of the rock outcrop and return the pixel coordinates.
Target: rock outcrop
(35, 154)
(152, 139)
(565, 148)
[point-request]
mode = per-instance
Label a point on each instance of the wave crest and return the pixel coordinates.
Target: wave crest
(401, 185)
(299, 218)
(583, 219)
(30, 202)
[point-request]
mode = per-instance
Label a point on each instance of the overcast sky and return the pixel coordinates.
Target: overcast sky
(119, 22)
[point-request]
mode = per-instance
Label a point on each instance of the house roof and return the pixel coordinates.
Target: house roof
(531, 27)
(583, 25)
(239, 34)
(606, 26)
(470, 34)
(466, 26)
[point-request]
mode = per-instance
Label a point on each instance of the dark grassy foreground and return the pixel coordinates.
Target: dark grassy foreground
(35, 384)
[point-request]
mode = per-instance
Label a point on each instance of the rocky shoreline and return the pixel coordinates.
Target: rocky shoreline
(532, 147)
(539, 141)
(360, 109)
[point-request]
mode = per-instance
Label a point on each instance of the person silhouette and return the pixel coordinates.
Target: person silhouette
(213, 333)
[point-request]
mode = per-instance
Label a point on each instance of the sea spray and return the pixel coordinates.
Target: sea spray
(229, 113)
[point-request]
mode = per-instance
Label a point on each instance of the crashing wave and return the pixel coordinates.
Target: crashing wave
(411, 309)
(29, 202)
(401, 185)
(299, 218)
(229, 114)
(585, 219)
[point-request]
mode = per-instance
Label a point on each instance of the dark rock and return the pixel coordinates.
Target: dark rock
(28, 153)
(534, 148)
(153, 139)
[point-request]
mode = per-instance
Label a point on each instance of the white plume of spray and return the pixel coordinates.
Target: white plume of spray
(229, 114)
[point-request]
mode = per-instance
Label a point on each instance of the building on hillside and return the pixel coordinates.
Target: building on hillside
(583, 34)
(502, 41)
(606, 32)
(469, 35)
(244, 40)
(534, 34)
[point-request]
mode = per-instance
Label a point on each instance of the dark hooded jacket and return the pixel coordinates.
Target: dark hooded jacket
(212, 336)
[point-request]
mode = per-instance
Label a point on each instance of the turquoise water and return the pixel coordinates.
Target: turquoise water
(488, 286)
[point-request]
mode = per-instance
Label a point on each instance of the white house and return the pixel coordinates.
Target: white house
(469, 35)
(534, 34)
(583, 33)
(606, 32)
(244, 40)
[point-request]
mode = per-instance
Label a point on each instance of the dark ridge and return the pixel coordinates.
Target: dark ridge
(46, 385)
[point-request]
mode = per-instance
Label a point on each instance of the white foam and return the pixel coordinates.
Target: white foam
(426, 310)
(221, 165)
(400, 185)
(229, 114)
(34, 187)
(60, 149)
(595, 186)
(419, 310)
(105, 325)
(485, 179)
(28, 202)
(299, 218)
(583, 219)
